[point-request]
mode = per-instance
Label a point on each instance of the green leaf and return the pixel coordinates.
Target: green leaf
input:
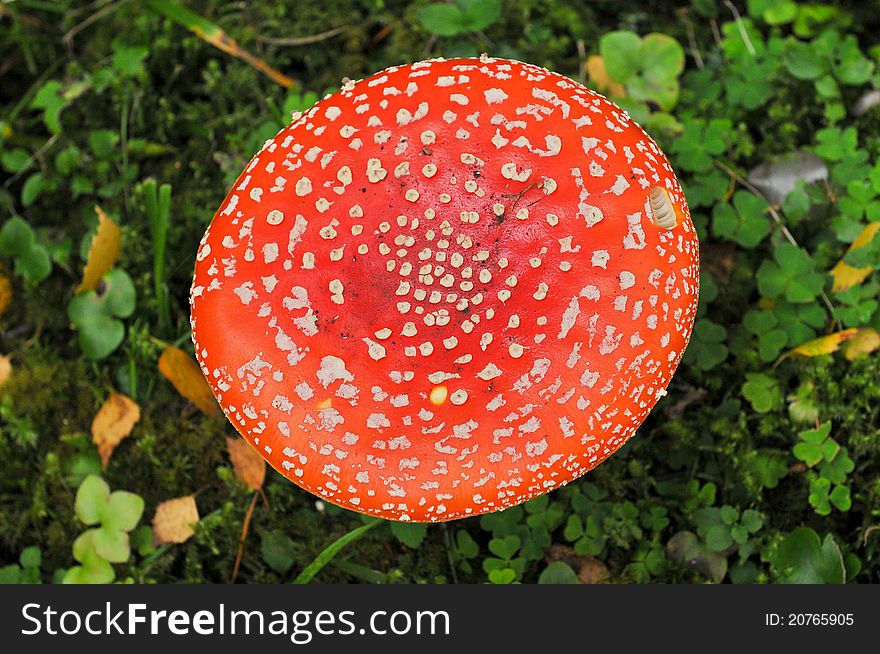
(410, 534)
(466, 545)
(91, 499)
(16, 237)
(502, 576)
(123, 511)
(50, 99)
(840, 497)
(442, 19)
(718, 538)
(505, 548)
(31, 189)
(803, 61)
(621, 53)
(479, 14)
(808, 453)
(10, 574)
(792, 275)
(801, 558)
(745, 221)
(558, 572)
(102, 142)
(95, 315)
(278, 551)
(331, 551)
(752, 520)
(15, 160)
(762, 391)
(30, 557)
(111, 544)
(128, 60)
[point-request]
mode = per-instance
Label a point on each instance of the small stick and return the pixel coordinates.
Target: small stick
(741, 27)
(243, 537)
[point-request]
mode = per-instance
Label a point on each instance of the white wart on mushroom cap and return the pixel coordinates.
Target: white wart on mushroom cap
(446, 289)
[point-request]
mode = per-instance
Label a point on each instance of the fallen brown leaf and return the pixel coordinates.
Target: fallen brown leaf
(5, 369)
(600, 77)
(175, 519)
(103, 252)
(182, 370)
(589, 569)
(5, 293)
(113, 422)
(865, 341)
(249, 466)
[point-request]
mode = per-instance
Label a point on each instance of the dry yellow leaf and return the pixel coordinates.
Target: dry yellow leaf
(113, 422)
(824, 344)
(249, 466)
(175, 520)
(599, 76)
(103, 252)
(5, 293)
(182, 370)
(5, 369)
(864, 342)
(846, 276)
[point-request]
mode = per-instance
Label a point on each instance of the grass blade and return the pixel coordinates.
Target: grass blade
(332, 550)
(213, 34)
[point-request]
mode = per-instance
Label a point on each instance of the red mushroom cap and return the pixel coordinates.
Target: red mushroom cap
(446, 289)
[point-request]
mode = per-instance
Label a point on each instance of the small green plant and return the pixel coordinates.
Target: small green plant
(411, 534)
(743, 221)
(459, 17)
(504, 567)
(762, 391)
(97, 315)
(648, 68)
(115, 514)
(32, 260)
(158, 205)
(829, 465)
(26, 571)
(18, 429)
(801, 557)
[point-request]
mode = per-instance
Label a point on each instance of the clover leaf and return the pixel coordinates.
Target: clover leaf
(32, 260)
(94, 569)
(95, 314)
(459, 17)
(744, 222)
(706, 349)
(802, 558)
(648, 67)
(791, 275)
(116, 514)
(762, 391)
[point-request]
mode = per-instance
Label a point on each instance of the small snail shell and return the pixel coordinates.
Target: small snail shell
(662, 208)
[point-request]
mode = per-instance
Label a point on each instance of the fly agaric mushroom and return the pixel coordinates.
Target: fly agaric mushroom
(446, 289)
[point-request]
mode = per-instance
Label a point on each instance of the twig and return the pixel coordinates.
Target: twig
(243, 537)
(36, 155)
(582, 60)
(715, 33)
(79, 27)
(692, 40)
(302, 40)
(776, 217)
(741, 27)
(429, 46)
